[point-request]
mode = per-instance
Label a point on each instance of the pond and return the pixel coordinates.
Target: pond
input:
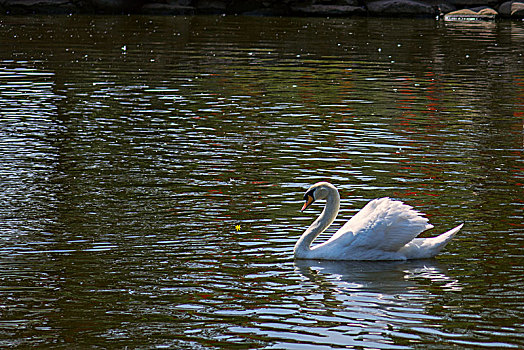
(153, 170)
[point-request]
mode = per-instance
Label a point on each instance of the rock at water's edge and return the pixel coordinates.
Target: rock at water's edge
(480, 14)
(514, 9)
(318, 8)
(211, 6)
(116, 6)
(401, 8)
(327, 10)
(167, 9)
(19, 7)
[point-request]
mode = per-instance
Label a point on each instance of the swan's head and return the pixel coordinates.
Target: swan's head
(320, 190)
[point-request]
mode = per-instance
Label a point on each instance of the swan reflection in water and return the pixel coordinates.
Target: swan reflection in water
(389, 277)
(371, 304)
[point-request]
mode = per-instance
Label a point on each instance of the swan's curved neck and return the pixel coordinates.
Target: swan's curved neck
(326, 218)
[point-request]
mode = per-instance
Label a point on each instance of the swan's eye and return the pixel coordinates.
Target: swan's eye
(309, 194)
(308, 197)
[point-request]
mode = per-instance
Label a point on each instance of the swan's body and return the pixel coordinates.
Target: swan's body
(384, 229)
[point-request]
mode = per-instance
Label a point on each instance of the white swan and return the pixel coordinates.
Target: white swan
(384, 229)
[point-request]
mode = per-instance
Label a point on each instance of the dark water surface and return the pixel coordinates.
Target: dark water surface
(131, 147)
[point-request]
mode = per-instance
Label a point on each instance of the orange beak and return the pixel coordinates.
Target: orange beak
(309, 201)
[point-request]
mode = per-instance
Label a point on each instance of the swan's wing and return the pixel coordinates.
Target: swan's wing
(383, 224)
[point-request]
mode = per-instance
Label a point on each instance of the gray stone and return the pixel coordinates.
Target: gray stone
(336, 2)
(179, 2)
(19, 7)
(166, 9)
(252, 7)
(473, 3)
(482, 14)
(446, 8)
(117, 6)
(327, 10)
(513, 9)
(401, 8)
(258, 8)
(211, 6)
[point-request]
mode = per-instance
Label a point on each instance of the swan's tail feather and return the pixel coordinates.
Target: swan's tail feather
(423, 248)
(443, 239)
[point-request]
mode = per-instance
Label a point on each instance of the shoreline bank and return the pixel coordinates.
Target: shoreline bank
(454, 9)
